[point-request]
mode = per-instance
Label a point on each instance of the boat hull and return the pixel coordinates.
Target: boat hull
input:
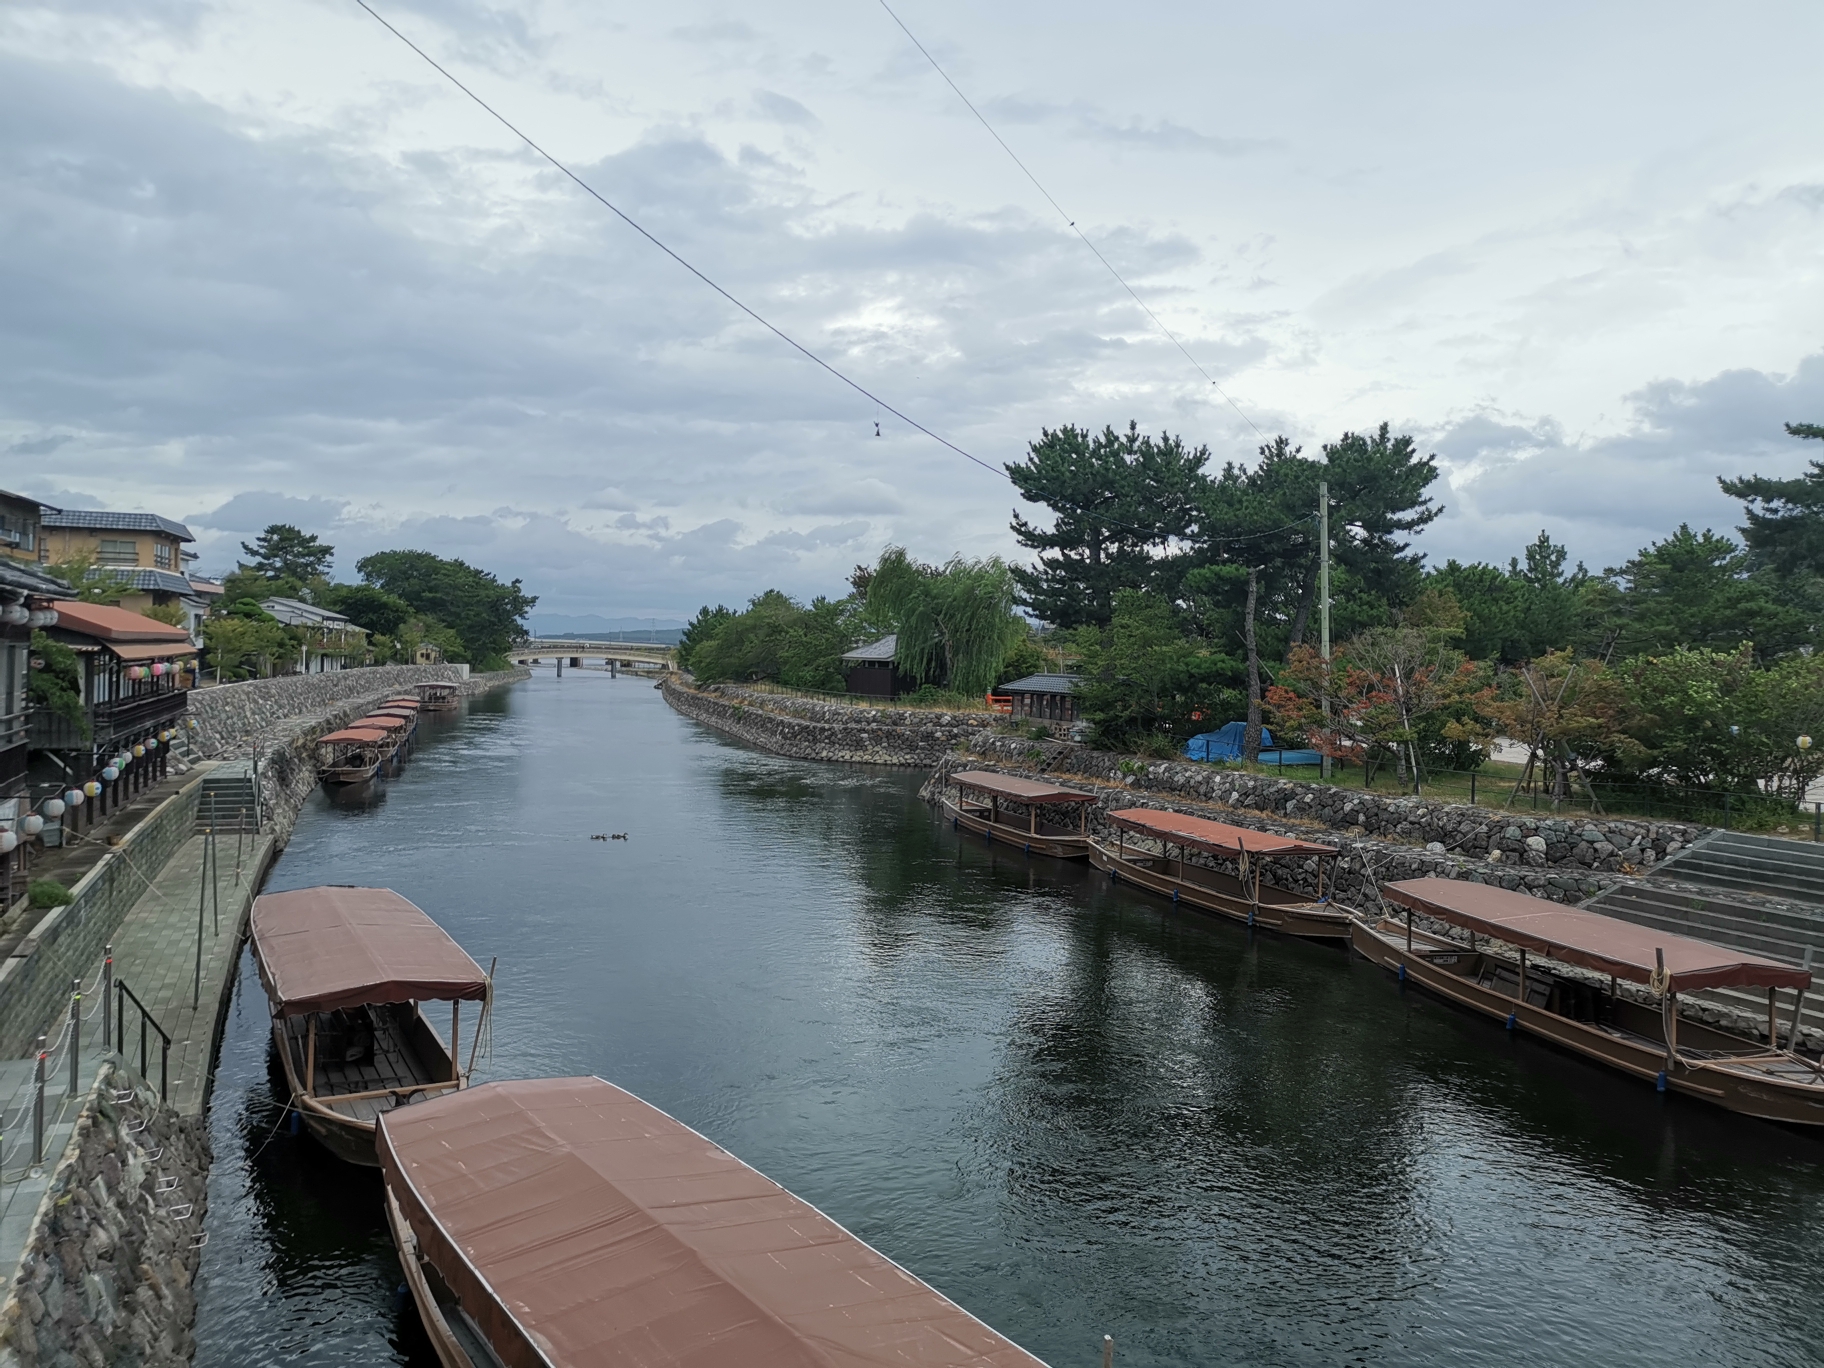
(1745, 1083)
(1306, 920)
(450, 1352)
(1061, 847)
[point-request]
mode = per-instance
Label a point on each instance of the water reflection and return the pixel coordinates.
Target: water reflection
(1066, 1104)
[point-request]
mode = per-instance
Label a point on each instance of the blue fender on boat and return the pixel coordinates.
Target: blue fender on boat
(1029, 847)
(1662, 1080)
(1174, 895)
(1402, 973)
(1512, 1021)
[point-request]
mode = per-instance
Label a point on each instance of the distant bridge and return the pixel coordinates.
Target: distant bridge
(625, 655)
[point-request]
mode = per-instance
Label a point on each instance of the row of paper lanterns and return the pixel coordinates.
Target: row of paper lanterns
(18, 615)
(54, 808)
(152, 671)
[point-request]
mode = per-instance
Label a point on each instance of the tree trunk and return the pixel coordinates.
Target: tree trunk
(1250, 738)
(1307, 596)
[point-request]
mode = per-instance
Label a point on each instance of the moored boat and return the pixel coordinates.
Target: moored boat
(1579, 1012)
(562, 1222)
(438, 696)
(352, 755)
(345, 970)
(977, 807)
(1239, 888)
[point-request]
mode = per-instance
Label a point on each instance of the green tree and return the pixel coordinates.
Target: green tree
(1526, 610)
(284, 552)
(56, 685)
(487, 615)
(242, 645)
(1785, 528)
(1120, 501)
(93, 583)
(381, 613)
(1702, 590)
(955, 622)
(777, 638)
(1145, 683)
(699, 630)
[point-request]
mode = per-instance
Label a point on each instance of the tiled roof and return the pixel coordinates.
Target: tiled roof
(107, 623)
(884, 649)
(158, 581)
(27, 498)
(299, 614)
(29, 579)
(1043, 683)
(96, 520)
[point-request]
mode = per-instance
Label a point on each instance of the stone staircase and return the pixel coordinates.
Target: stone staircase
(1768, 866)
(229, 800)
(1760, 894)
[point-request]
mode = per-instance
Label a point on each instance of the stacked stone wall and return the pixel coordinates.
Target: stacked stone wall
(109, 1272)
(68, 941)
(232, 717)
(810, 729)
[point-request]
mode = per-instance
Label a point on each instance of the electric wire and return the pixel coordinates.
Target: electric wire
(752, 313)
(1063, 214)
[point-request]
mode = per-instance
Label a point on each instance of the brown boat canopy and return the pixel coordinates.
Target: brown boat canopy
(353, 736)
(383, 720)
(323, 948)
(410, 704)
(1019, 790)
(579, 1225)
(1219, 838)
(1606, 944)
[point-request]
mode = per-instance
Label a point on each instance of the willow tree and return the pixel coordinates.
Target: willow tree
(955, 621)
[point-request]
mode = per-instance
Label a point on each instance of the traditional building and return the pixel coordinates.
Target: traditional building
(27, 604)
(140, 554)
(21, 527)
(870, 670)
(1046, 697)
(332, 642)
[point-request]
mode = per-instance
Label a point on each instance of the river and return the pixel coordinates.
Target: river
(1065, 1105)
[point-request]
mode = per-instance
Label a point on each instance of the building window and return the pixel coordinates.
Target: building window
(115, 552)
(162, 556)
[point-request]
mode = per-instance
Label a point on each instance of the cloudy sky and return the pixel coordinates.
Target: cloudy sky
(261, 263)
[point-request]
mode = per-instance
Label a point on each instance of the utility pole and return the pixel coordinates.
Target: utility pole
(1323, 605)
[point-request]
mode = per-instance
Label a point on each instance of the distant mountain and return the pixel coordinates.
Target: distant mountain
(594, 627)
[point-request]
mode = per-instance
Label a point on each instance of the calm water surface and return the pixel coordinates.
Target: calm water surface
(1068, 1107)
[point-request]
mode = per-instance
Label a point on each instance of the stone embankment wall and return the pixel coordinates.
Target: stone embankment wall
(279, 720)
(67, 942)
(810, 729)
(1383, 839)
(108, 1274)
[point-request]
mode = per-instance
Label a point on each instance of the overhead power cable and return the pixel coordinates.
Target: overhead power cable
(1039, 186)
(752, 313)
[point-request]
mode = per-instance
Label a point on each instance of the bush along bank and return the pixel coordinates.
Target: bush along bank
(109, 1272)
(811, 729)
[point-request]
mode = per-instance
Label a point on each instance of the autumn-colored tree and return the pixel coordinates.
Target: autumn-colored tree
(1567, 710)
(1395, 693)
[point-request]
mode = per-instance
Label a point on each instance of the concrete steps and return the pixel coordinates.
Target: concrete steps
(229, 799)
(1769, 865)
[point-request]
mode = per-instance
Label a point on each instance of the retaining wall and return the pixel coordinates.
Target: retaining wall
(809, 729)
(231, 717)
(67, 942)
(109, 1272)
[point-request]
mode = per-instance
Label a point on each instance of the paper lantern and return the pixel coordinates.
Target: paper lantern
(7, 842)
(53, 808)
(110, 774)
(138, 751)
(32, 825)
(158, 667)
(74, 798)
(93, 788)
(133, 672)
(151, 743)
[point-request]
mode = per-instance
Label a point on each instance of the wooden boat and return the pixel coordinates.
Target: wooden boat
(562, 1222)
(436, 696)
(345, 970)
(352, 755)
(1245, 894)
(1580, 1014)
(398, 733)
(977, 807)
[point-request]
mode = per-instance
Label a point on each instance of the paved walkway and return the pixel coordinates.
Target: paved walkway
(155, 955)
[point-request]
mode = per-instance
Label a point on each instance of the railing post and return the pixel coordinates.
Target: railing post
(107, 996)
(38, 1109)
(142, 1037)
(164, 1067)
(75, 1033)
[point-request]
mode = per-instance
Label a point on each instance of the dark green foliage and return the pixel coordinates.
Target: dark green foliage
(1143, 677)
(1703, 591)
(1027, 656)
(381, 613)
(700, 629)
(484, 613)
(284, 552)
(776, 639)
(1526, 610)
(57, 687)
(48, 893)
(251, 610)
(1119, 502)
(1785, 528)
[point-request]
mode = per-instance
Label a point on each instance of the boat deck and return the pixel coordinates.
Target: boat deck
(374, 1053)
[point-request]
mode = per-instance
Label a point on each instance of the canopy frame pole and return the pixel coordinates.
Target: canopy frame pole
(1773, 1022)
(1409, 928)
(1522, 976)
(1798, 1001)
(487, 1010)
(310, 1059)
(1082, 819)
(455, 1036)
(1032, 816)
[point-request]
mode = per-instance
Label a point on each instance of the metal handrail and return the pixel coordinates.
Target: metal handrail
(122, 993)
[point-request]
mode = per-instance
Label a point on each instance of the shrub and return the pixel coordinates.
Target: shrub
(48, 893)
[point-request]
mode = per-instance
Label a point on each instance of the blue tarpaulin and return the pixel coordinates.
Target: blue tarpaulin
(1226, 745)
